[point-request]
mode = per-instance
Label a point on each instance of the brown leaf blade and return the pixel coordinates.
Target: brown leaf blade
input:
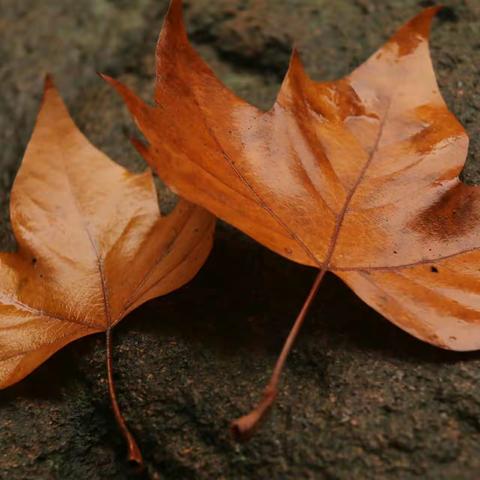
(357, 176)
(92, 246)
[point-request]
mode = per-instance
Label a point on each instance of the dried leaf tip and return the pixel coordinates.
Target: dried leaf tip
(49, 88)
(422, 23)
(174, 24)
(48, 82)
(296, 63)
(141, 147)
(415, 31)
(296, 67)
(295, 77)
(175, 13)
(137, 107)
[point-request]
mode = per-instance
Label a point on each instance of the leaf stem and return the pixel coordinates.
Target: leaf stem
(244, 427)
(134, 454)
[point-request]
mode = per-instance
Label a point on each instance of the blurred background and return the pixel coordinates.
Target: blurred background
(360, 398)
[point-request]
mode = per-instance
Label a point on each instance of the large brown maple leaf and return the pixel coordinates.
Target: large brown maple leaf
(357, 176)
(92, 246)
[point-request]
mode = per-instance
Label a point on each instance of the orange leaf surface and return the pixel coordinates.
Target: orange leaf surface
(92, 245)
(357, 176)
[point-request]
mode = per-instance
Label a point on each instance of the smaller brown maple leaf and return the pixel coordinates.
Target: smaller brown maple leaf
(92, 246)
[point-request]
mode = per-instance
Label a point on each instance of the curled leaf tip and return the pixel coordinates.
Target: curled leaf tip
(427, 15)
(415, 33)
(422, 23)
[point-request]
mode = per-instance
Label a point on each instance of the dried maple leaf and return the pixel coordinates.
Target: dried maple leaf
(358, 176)
(92, 247)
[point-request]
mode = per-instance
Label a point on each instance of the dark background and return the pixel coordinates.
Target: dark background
(360, 398)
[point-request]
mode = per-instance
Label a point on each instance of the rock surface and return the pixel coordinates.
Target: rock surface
(360, 399)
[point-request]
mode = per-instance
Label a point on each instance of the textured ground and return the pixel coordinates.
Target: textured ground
(361, 399)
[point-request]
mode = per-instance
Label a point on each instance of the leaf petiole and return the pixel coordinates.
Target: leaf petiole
(244, 427)
(134, 453)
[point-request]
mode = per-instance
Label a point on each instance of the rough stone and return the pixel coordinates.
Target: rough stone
(360, 398)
